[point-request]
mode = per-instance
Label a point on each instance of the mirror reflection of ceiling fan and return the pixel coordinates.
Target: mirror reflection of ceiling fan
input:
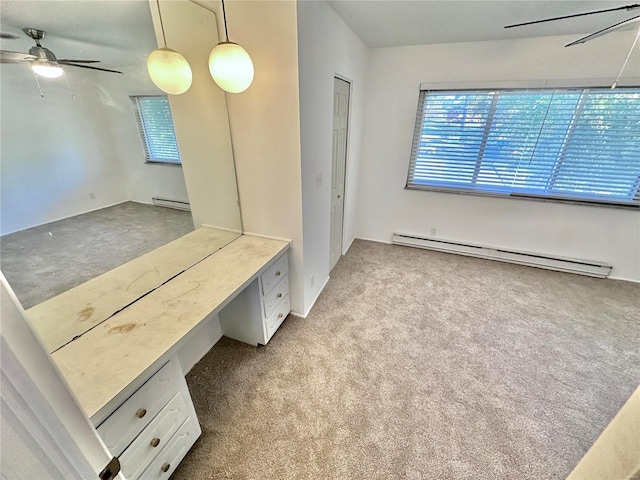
(43, 61)
(599, 33)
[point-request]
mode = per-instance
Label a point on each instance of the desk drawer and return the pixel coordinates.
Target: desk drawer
(122, 427)
(153, 438)
(278, 317)
(170, 456)
(274, 274)
(272, 300)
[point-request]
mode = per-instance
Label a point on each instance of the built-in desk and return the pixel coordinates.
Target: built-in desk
(70, 314)
(107, 359)
(124, 371)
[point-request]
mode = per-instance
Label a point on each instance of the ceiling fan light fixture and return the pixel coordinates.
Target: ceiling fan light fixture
(169, 71)
(47, 69)
(231, 67)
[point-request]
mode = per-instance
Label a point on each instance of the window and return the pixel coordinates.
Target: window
(565, 144)
(156, 129)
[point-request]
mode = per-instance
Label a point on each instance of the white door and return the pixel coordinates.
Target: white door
(341, 90)
(45, 433)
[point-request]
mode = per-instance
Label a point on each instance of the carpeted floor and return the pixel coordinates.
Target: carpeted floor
(36, 261)
(422, 365)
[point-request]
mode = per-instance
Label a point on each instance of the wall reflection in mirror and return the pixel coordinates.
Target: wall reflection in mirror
(77, 187)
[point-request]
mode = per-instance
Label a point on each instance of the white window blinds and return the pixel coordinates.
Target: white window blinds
(156, 129)
(571, 144)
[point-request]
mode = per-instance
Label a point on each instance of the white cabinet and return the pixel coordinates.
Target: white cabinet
(257, 312)
(153, 429)
(273, 299)
(131, 384)
(274, 274)
(168, 459)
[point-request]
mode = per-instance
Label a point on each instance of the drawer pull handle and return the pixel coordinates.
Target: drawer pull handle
(165, 467)
(141, 412)
(279, 295)
(155, 442)
(278, 273)
(280, 315)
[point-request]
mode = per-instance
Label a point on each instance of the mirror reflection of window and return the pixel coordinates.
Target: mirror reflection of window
(155, 125)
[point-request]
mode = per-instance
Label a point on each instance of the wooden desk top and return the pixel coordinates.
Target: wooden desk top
(105, 360)
(65, 316)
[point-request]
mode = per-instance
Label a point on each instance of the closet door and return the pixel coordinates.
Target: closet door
(45, 433)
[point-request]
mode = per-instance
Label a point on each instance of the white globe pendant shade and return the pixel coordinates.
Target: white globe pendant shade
(231, 67)
(169, 70)
(47, 69)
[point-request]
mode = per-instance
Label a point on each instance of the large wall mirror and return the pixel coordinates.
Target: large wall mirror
(77, 188)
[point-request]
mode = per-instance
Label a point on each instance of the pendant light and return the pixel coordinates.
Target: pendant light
(168, 69)
(229, 64)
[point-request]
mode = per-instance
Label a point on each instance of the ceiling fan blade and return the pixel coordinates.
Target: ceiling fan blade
(8, 36)
(604, 31)
(593, 12)
(7, 56)
(87, 66)
(77, 61)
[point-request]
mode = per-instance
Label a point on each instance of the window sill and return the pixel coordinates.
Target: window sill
(524, 196)
(171, 164)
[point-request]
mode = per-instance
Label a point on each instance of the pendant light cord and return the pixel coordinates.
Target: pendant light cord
(164, 38)
(615, 84)
(224, 16)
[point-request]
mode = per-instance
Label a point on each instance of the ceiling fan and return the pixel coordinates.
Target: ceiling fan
(43, 61)
(597, 34)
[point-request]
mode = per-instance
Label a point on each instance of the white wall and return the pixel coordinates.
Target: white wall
(326, 47)
(54, 160)
(278, 188)
(393, 79)
(265, 128)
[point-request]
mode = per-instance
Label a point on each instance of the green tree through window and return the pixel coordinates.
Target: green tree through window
(573, 144)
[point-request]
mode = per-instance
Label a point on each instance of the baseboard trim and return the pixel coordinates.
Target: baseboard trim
(69, 216)
(232, 230)
(296, 314)
(268, 237)
(580, 266)
(373, 240)
(622, 279)
(349, 246)
(317, 296)
(171, 203)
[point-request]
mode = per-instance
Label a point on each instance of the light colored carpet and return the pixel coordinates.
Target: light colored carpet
(422, 365)
(42, 262)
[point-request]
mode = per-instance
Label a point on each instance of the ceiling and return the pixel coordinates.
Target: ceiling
(118, 33)
(393, 23)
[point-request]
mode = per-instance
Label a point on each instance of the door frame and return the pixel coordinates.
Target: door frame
(346, 199)
(39, 405)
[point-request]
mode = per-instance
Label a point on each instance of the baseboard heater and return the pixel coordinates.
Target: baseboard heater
(166, 202)
(572, 265)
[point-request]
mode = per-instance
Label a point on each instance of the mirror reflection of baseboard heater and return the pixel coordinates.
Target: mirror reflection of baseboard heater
(166, 202)
(572, 265)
